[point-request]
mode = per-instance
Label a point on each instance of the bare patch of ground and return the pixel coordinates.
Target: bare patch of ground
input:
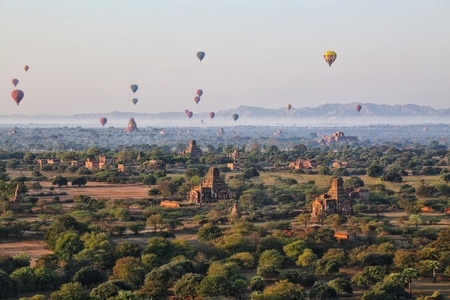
(33, 248)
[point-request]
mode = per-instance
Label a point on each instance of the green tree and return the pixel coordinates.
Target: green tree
(282, 290)
(257, 283)
(8, 287)
(209, 232)
(59, 181)
(63, 224)
(322, 291)
(374, 170)
(341, 286)
(108, 290)
(269, 263)
(155, 221)
(67, 245)
(307, 259)
(79, 181)
(130, 270)
(89, 276)
(408, 274)
(70, 291)
(214, 286)
(415, 219)
(186, 286)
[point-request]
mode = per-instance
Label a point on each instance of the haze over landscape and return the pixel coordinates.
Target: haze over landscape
(83, 55)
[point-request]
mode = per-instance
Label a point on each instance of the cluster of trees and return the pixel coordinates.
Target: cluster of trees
(286, 256)
(89, 264)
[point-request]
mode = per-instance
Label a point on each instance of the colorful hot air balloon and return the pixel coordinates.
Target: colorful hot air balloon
(190, 114)
(196, 99)
(200, 55)
(288, 106)
(186, 111)
(235, 117)
(330, 57)
(358, 107)
(134, 100)
(17, 96)
(134, 88)
(26, 67)
(15, 81)
(199, 93)
(103, 121)
(212, 115)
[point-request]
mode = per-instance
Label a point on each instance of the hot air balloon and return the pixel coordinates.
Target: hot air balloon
(330, 57)
(235, 117)
(186, 111)
(199, 93)
(15, 81)
(212, 115)
(134, 88)
(358, 107)
(196, 99)
(288, 106)
(190, 114)
(134, 100)
(17, 96)
(103, 121)
(26, 67)
(200, 55)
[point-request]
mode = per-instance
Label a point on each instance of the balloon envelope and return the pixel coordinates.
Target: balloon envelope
(288, 106)
(186, 111)
(330, 57)
(358, 107)
(199, 93)
(134, 88)
(235, 117)
(15, 81)
(196, 99)
(103, 121)
(200, 55)
(190, 114)
(26, 67)
(212, 115)
(17, 96)
(134, 100)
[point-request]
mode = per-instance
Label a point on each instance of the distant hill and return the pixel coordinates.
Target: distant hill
(248, 115)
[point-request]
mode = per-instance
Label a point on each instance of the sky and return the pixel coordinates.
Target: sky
(83, 55)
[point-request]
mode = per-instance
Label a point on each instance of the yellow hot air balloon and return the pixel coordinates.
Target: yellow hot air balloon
(330, 57)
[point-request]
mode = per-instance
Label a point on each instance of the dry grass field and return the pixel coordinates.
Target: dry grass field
(36, 247)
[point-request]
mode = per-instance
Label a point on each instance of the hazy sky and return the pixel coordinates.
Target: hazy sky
(85, 54)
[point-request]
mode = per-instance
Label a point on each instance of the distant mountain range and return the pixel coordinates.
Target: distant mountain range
(248, 115)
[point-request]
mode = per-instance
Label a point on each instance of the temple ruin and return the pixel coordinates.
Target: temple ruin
(132, 126)
(338, 200)
(192, 150)
(212, 188)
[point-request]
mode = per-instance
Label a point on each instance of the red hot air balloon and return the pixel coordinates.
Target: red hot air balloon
(15, 81)
(190, 114)
(17, 96)
(196, 99)
(103, 121)
(358, 107)
(212, 115)
(199, 93)
(26, 67)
